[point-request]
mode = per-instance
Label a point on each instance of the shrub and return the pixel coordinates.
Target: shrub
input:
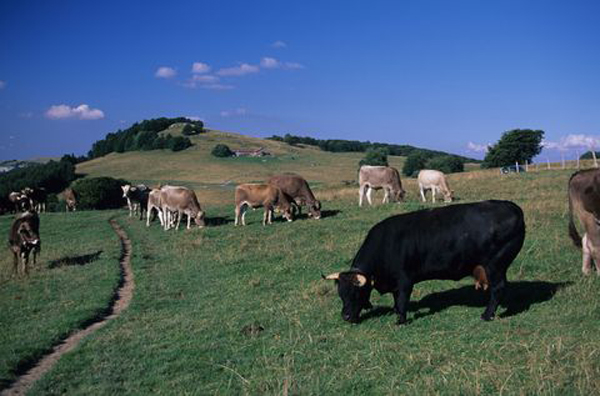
(375, 156)
(179, 143)
(192, 129)
(446, 164)
(221, 151)
(415, 161)
(100, 193)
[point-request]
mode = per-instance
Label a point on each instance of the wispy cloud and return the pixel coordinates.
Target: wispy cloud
(2, 84)
(573, 141)
(240, 70)
(200, 68)
(207, 81)
(478, 148)
(240, 111)
(279, 44)
(269, 63)
(292, 66)
(165, 72)
(82, 112)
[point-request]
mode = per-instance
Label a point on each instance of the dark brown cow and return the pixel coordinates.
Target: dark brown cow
(260, 195)
(70, 199)
(19, 201)
(24, 238)
(377, 177)
(584, 202)
(297, 189)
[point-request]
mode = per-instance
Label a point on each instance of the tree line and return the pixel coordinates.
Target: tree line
(145, 135)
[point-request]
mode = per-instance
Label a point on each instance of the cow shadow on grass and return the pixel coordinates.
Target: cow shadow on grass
(75, 260)
(519, 297)
(324, 214)
(217, 221)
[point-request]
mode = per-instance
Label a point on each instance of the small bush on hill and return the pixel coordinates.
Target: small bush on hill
(192, 129)
(446, 164)
(221, 151)
(375, 156)
(415, 161)
(100, 193)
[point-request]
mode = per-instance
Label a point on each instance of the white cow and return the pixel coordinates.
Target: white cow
(435, 181)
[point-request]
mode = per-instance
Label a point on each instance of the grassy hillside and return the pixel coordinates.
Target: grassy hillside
(214, 178)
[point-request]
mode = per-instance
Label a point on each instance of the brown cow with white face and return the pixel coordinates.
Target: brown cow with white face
(70, 199)
(297, 188)
(180, 200)
(254, 196)
(584, 202)
(379, 177)
(24, 238)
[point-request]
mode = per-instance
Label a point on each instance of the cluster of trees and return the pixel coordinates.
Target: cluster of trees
(418, 160)
(145, 136)
(338, 146)
(54, 176)
(100, 193)
(517, 145)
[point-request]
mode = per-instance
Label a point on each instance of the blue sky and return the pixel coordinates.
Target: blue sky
(445, 75)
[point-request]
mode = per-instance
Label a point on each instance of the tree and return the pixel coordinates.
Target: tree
(414, 163)
(375, 156)
(222, 151)
(588, 155)
(100, 193)
(446, 164)
(517, 145)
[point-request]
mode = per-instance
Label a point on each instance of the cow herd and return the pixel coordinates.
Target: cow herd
(474, 239)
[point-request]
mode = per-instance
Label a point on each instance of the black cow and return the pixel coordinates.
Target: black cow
(24, 238)
(442, 243)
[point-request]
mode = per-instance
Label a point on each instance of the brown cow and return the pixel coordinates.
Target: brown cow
(24, 238)
(20, 201)
(584, 202)
(70, 199)
(256, 195)
(154, 203)
(297, 189)
(181, 200)
(377, 177)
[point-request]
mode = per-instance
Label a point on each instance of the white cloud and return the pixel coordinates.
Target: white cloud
(270, 63)
(573, 142)
(240, 111)
(292, 66)
(218, 87)
(165, 72)
(478, 148)
(240, 70)
(2, 84)
(279, 44)
(82, 112)
(205, 79)
(199, 67)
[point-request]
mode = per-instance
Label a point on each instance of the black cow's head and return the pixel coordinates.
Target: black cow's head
(28, 236)
(354, 289)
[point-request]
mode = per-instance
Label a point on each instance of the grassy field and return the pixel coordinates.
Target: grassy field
(226, 310)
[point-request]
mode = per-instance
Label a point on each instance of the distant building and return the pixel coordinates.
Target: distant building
(251, 153)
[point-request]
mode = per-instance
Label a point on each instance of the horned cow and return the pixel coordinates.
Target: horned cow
(23, 239)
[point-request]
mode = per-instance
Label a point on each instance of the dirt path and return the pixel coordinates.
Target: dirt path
(121, 301)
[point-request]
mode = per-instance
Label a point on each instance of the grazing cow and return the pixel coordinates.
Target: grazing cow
(584, 202)
(137, 198)
(297, 189)
(256, 195)
(443, 243)
(24, 238)
(435, 181)
(377, 177)
(181, 200)
(38, 197)
(154, 203)
(19, 201)
(70, 199)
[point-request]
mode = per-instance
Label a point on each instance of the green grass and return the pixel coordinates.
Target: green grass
(71, 284)
(201, 295)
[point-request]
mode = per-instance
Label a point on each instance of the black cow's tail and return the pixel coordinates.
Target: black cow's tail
(572, 229)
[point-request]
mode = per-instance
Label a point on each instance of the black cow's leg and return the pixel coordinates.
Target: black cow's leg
(401, 299)
(498, 284)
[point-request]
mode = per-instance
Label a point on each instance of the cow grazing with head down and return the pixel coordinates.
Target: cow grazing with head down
(476, 239)
(434, 180)
(180, 200)
(137, 198)
(261, 195)
(299, 192)
(584, 202)
(70, 199)
(379, 177)
(23, 239)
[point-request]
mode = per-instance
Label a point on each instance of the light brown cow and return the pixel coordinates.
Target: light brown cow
(23, 239)
(584, 202)
(267, 196)
(181, 200)
(297, 189)
(70, 199)
(154, 203)
(434, 180)
(379, 177)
